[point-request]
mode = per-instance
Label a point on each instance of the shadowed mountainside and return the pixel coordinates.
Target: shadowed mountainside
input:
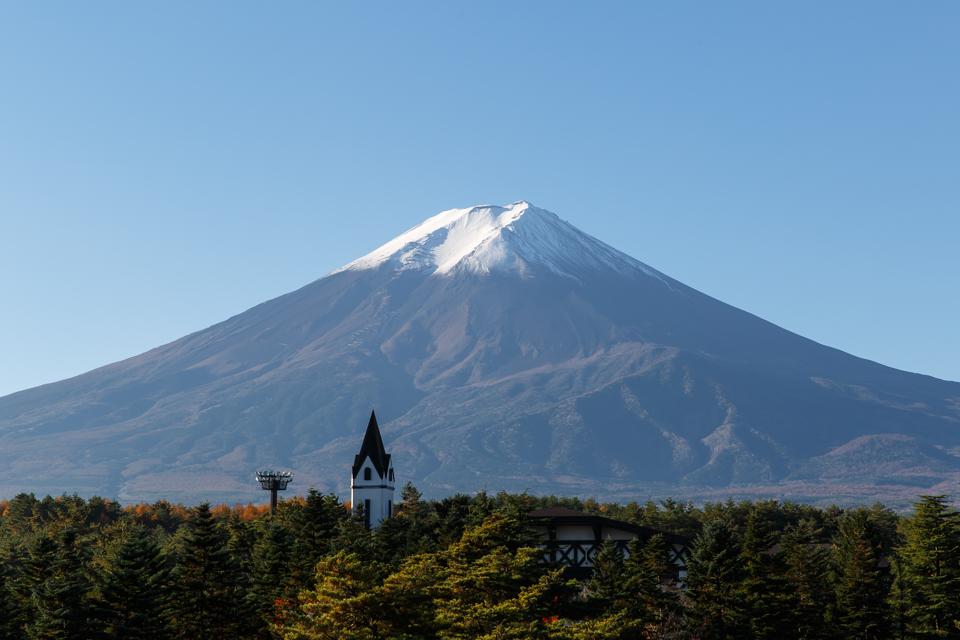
(500, 347)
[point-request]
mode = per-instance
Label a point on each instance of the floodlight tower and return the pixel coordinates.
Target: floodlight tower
(274, 481)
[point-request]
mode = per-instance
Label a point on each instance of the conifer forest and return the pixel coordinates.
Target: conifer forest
(471, 566)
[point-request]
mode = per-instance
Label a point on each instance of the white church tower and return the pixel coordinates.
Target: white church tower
(371, 481)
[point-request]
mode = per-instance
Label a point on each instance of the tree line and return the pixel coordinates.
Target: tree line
(472, 566)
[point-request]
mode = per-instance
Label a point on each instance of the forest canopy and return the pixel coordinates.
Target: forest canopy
(472, 566)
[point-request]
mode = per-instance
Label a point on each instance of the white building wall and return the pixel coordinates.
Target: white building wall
(378, 490)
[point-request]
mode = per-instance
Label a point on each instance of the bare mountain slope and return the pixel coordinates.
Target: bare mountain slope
(501, 347)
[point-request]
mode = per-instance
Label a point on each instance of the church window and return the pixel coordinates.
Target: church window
(390, 504)
(366, 511)
(391, 475)
(366, 473)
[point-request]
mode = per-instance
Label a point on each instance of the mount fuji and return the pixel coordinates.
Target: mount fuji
(501, 347)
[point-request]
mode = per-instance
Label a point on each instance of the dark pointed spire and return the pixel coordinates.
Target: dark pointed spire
(373, 447)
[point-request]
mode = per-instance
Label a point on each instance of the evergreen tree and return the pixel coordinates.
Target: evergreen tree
(275, 589)
(714, 583)
(206, 598)
(930, 557)
(899, 598)
(609, 597)
(482, 506)
(637, 592)
(135, 589)
(36, 569)
(314, 527)
(471, 567)
(347, 603)
(492, 583)
(808, 600)
(652, 579)
(863, 586)
(412, 530)
(608, 586)
(22, 514)
(243, 537)
(11, 625)
(453, 516)
(353, 536)
(63, 610)
(763, 585)
(671, 515)
(477, 588)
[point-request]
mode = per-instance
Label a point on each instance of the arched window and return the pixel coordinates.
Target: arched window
(391, 475)
(366, 473)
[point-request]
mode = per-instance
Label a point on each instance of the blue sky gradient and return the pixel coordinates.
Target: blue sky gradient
(164, 166)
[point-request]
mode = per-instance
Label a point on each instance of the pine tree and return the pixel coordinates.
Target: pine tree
(11, 625)
(135, 589)
(492, 583)
(207, 601)
(453, 517)
(36, 568)
(808, 601)
(243, 537)
(930, 557)
(22, 514)
(763, 585)
(899, 597)
(714, 583)
(862, 585)
(347, 603)
(63, 610)
(412, 530)
(353, 536)
(275, 588)
(487, 585)
(608, 587)
(314, 527)
(652, 579)
(482, 506)
(634, 592)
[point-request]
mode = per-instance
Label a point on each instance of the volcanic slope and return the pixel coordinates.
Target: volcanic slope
(501, 347)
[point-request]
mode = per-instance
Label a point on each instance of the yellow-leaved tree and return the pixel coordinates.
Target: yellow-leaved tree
(490, 584)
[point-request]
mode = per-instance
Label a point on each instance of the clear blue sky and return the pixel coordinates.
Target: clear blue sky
(164, 166)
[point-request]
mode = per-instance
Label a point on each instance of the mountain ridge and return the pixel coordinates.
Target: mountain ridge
(540, 369)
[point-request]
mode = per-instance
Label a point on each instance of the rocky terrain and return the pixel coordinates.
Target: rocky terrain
(500, 347)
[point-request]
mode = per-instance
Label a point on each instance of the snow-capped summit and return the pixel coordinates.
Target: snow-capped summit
(502, 347)
(489, 238)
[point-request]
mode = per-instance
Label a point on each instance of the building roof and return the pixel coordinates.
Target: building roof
(554, 512)
(562, 515)
(372, 447)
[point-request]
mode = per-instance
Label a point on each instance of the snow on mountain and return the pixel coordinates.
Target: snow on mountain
(488, 238)
(501, 347)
